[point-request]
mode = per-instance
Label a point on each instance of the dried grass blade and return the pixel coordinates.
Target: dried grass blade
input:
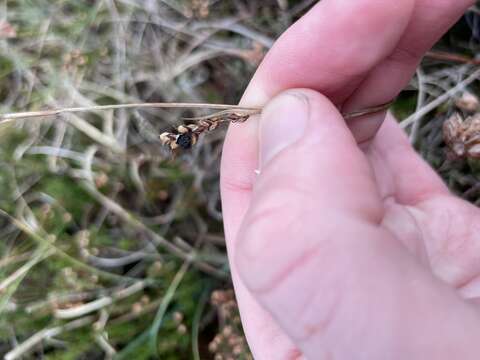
(56, 112)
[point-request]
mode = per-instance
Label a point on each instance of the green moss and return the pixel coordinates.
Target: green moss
(404, 105)
(67, 193)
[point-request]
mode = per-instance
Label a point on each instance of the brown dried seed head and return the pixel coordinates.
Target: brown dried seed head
(101, 179)
(182, 329)
(137, 308)
(213, 347)
(156, 267)
(468, 102)
(235, 340)
(227, 331)
(51, 238)
(452, 128)
(462, 136)
(219, 297)
(238, 350)
(177, 317)
(218, 339)
(67, 217)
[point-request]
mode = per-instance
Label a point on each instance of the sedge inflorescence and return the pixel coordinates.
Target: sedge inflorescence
(185, 136)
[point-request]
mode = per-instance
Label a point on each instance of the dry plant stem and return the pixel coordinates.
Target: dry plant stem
(100, 303)
(55, 112)
(9, 260)
(227, 110)
(440, 100)
(420, 103)
(368, 111)
(440, 55)
(102, 341)
(23, 270)
(167, 299)
(45, 334)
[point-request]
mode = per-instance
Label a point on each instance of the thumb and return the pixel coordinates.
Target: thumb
(313, 253)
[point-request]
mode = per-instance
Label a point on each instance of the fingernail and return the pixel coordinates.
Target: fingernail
(283, 123)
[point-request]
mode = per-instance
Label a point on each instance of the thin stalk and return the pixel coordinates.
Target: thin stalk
(20, 350)
(162, 309)
(446, 56)
(368, 111)
(32, 114)
(196, 323)
(5, 118)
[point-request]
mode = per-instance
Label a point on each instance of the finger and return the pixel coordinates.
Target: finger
(311, 250)
(332, 47)
(429, 21)
(404, 181)
(448, 224)
(327, 32)
(400, 172)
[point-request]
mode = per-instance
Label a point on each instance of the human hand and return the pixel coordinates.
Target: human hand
(347, 245)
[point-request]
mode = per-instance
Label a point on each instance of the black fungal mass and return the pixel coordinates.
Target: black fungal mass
(185, 141)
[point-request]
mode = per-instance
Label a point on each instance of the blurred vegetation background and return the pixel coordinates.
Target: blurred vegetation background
(109, 247)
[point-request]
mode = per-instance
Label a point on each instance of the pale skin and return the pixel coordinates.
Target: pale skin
(347, 245)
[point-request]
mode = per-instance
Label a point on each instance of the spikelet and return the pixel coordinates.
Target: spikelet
(185, 136)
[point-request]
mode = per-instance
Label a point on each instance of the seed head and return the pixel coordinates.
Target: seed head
(462, 136)
(186, 135)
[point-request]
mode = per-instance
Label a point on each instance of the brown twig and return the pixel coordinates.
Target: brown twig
(368, 111)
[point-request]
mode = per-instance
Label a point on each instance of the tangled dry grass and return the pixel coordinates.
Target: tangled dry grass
(109, 247)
